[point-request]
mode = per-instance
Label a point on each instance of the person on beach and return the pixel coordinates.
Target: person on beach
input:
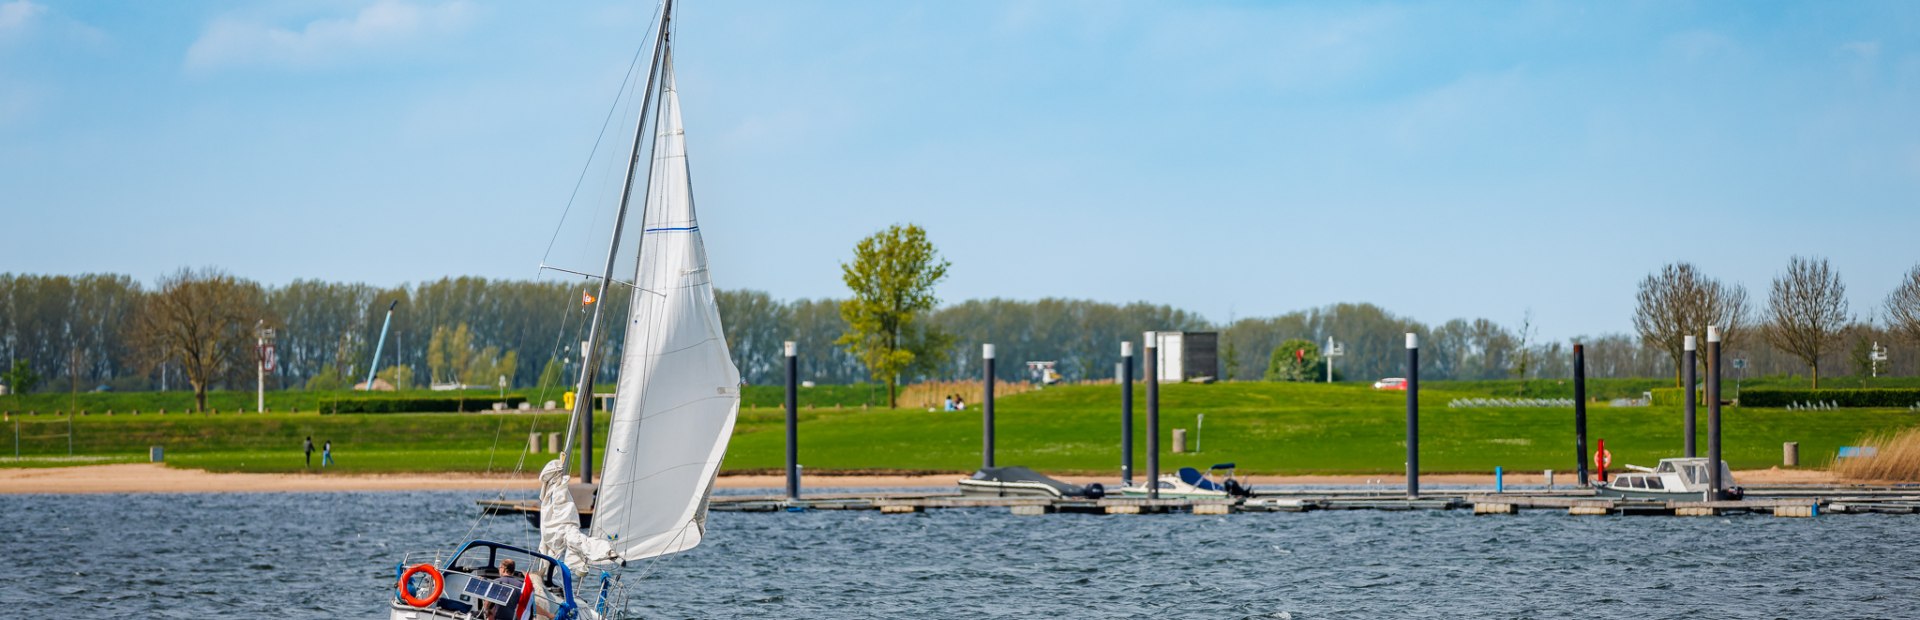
(326, 454)
(309, 447)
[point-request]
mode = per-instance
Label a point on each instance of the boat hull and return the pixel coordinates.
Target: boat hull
(403, 611)
(989, 488)
(1176, 494)
(1604, 490)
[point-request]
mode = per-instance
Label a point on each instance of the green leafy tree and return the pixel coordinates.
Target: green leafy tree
(450, 354)
(1861, 357)
(21, 379)
(329, 378)
(551, 375)
(400, 377)
(1232, 358)
(892, 277)
(1294, 360)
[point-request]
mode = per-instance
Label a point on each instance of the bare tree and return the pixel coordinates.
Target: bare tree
(201, 321)
(1806, 311)
(1680, 302)
(1903, 307)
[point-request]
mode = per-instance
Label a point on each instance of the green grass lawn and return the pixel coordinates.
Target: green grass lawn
(1294, 428)
(1264, 427)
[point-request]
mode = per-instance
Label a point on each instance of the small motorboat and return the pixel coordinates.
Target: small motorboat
(1017, 481)
(1681, 479)
(1189, 483)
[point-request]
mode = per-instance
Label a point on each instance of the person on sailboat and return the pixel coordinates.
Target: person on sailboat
(516, 581)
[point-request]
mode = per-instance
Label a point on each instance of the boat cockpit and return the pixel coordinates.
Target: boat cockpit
(471, 578)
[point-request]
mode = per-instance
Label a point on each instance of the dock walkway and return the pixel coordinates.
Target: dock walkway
(1779, 501)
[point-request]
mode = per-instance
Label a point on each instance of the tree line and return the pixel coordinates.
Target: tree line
(78, 332)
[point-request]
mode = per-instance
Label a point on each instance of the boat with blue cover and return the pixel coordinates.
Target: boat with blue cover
(1189, 483)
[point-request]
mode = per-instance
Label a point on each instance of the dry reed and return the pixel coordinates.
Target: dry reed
(933, 394)
(1897, 460)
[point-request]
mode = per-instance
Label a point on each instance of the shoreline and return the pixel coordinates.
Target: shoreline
(157, 478)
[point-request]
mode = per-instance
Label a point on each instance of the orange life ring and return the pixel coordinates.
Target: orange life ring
(439, 584)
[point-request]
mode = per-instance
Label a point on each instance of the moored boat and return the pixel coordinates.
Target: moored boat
(1189, 483)
(1016, 481)
(1676, 479)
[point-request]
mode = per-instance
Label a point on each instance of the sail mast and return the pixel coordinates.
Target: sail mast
(582, 418)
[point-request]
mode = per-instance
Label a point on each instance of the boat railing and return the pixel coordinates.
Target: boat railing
(436, 557)
(603, 594)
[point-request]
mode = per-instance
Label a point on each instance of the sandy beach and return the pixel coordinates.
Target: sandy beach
(156, 478)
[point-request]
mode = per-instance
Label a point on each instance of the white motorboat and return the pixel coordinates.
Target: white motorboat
(679, 395)
(1189, 483)
(1679, 479)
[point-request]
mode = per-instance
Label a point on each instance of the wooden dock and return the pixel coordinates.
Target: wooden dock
(1778, 501)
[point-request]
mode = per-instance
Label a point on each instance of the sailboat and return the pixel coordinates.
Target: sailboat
(679, 395)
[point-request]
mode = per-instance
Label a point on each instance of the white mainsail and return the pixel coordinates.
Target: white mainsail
(678, 389)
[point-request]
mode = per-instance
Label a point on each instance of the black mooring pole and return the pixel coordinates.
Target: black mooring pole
(986, 409)
(1580, 419)
(1153, 418)
(1715, 490)
(793, 421)
(1413, 416)
(586, 425)
(1126, 413)
(1580, 407)
(1687, 363)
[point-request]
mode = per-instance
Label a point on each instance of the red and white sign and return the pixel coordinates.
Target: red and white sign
(267, 357)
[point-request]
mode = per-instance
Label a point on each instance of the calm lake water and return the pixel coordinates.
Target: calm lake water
(331, 555)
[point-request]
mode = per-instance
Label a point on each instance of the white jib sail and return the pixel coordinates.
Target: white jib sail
(678, 389)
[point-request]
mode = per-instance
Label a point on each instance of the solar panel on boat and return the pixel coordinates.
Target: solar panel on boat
(489, 590)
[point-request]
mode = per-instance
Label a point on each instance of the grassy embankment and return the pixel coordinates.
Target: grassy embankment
(1264, 427)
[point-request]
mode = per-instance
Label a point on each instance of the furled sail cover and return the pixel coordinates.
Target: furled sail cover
(560, 534)
(678, 390)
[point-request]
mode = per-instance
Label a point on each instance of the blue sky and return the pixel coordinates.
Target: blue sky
(1439, 159)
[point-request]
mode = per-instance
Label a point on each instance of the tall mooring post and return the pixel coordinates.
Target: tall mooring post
(583, 401)
(1716, 488)
(1691, 383)
(1580, 414)
(1126, 412)
(1153, 416)
(1580, 406)
(1413, 416)
(986, 408)
(793, 420)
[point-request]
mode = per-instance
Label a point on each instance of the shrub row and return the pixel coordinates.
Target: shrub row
(1675, 397)
(1877, 397)
(417, 404)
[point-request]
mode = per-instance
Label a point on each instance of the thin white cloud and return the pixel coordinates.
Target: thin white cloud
(1866, 49)
(383, 26)
(15, 17)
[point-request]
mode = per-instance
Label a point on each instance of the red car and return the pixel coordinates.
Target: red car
(1390, 384)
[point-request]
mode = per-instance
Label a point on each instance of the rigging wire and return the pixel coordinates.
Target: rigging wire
(520, 464)
(608, 121)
